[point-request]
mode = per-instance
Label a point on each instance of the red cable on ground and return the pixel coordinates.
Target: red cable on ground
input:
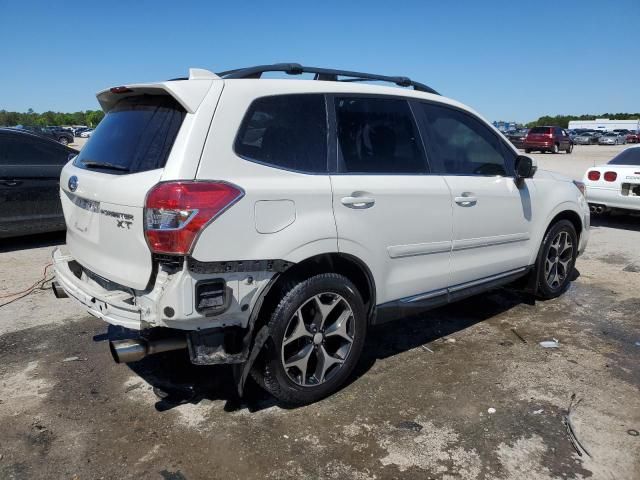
(29, 290)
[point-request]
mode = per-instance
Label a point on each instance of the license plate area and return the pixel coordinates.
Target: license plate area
(630, 189)
(84, 214)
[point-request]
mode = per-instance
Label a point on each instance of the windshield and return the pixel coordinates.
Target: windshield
(135, 136)
(630, 156)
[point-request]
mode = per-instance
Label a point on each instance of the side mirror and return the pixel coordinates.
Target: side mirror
(525, 168)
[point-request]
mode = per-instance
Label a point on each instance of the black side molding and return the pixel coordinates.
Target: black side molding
(423, 302)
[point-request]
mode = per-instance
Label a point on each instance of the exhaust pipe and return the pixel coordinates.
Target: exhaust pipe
(135, 349)
(58, 291)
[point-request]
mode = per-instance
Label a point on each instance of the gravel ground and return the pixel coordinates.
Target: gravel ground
(418, 406)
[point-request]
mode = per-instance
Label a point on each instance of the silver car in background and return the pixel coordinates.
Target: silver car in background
(612, 138)
(586, 138)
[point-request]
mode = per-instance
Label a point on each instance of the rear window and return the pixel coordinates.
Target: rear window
(135, 136)
(630, 156)
(539, 130)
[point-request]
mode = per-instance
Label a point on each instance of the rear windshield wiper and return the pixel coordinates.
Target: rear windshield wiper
(105, 165)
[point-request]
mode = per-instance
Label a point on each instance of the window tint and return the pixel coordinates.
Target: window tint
(27, 150)
(135, 136)
(539, 130)
(286, 131)
(378, 135)
(461, 144)
(630, 156)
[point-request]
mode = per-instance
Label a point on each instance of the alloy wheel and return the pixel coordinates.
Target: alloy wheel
(318, 339)
(558, 261)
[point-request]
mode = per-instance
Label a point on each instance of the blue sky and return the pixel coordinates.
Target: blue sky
(510, 60)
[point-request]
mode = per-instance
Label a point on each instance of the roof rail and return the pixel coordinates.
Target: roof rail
(323, 74)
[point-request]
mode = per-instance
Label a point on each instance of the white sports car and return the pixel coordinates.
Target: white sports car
(615, 184)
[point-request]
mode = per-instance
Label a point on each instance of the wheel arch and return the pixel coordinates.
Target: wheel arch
(569, 215)
(348, 265)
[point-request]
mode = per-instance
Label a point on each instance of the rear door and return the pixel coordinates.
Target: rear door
(389, 210)
(29, 193)
(104, 190)
(491, 216)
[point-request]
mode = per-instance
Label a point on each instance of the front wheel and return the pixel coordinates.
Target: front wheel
(317, 332)
(63, 140)
(556, 259)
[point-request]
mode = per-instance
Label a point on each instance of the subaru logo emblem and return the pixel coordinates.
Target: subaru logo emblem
(73, 183)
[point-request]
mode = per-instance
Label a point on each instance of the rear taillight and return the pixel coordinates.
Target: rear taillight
(610, 176)
(176, 212)
(593, 175)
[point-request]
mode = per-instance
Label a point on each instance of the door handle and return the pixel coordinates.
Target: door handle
(358, 202)
(11, 183)
(466, 201)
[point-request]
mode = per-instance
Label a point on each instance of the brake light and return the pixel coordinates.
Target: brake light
(176, 212)
(120, 90)
(610, 176)
(593, 175)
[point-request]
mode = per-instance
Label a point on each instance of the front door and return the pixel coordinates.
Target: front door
(491, 215)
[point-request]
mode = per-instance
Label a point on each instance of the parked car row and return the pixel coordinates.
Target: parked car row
(58, 134)
(555, 139)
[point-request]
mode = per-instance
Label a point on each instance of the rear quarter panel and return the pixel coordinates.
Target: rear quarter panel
(283, 215)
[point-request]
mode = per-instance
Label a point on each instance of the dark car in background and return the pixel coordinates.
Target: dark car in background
(58, 134)
(548, 139)
(516, 137)
(30, 168)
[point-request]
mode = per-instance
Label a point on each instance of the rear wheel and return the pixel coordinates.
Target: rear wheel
(317, 333)
(527, 150)
(555, 148)
(63, 140)
(557, 259)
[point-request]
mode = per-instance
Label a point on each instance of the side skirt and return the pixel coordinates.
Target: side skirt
(416, 304)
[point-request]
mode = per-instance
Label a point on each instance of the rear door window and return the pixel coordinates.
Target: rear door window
(460, 144)
(287, 132)
(378, 136)
(135, 136)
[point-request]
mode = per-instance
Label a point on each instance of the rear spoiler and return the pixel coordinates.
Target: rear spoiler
(188, 92)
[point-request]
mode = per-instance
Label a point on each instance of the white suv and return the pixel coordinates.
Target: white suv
(268, 223)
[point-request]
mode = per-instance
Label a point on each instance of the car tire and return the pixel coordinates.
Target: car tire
(299, 340)
(555, 148)
(556, 260)
(569, 148)
(63, 141)
(527, 150)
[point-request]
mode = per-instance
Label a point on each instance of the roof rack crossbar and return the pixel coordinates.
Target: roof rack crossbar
(323, 74)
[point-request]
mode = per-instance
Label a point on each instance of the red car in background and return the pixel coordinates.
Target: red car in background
(633, 138)
(548, 139)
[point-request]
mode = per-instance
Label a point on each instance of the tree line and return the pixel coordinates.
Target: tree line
(90, 118)
(563, 120)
